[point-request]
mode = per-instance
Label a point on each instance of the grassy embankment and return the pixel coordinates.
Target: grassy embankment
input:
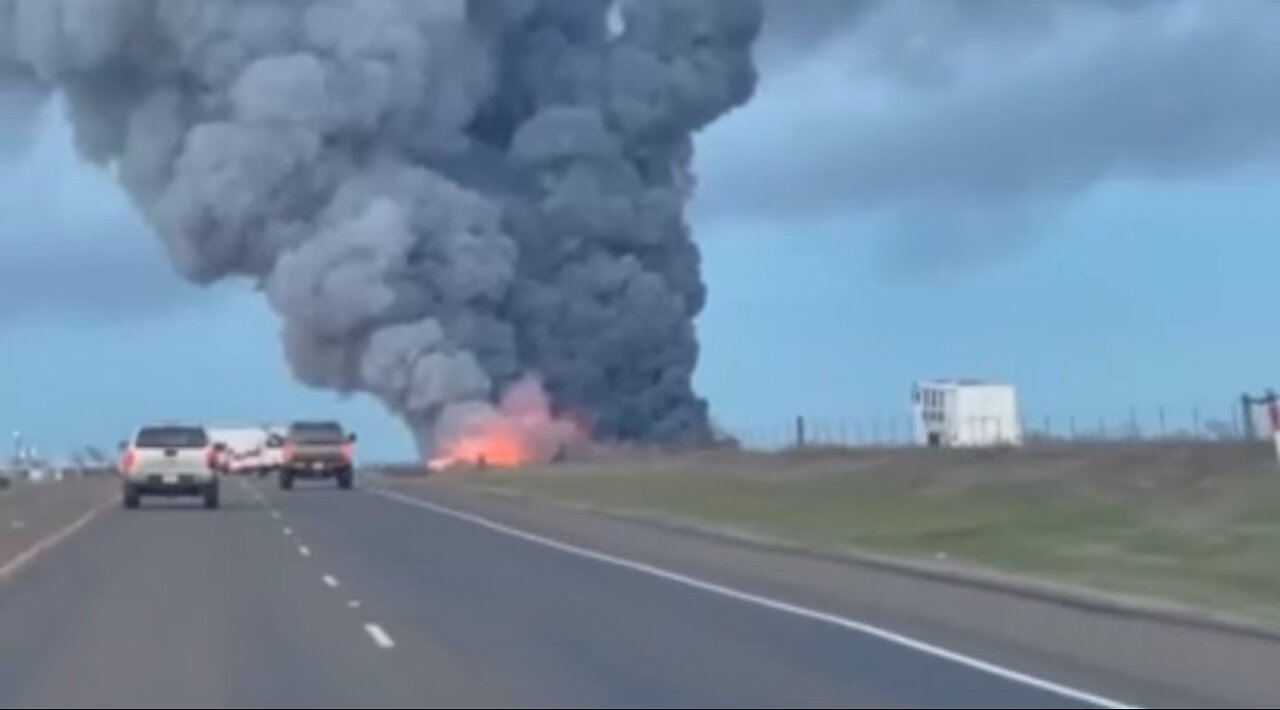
(1196, 523)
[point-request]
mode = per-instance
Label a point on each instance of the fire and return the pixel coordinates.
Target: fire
(519, 431)
(501, 449)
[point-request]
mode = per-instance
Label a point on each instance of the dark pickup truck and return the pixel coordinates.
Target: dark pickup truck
(317, 451)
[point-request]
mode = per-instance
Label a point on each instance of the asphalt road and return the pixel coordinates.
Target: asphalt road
(32, 513)
(321, 598)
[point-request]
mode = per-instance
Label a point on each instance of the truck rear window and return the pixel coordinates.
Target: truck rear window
(317, 434)
(173, 437)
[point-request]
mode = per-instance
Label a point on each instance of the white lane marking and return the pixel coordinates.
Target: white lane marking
(330, 581)
(42, 547)
(379, 636)
(304, 550)
(19, 525)
(255, 494)
(288, 532)
(275, 514)
(924, 647)
(354, 604)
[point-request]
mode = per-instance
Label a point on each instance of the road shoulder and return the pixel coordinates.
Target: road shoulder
(1127, 606)
(1140, 659)
(35, 518)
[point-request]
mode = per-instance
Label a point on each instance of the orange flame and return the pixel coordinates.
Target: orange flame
(520, 430)
(500, 447)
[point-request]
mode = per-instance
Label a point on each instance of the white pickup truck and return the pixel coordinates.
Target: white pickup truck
(169, 460)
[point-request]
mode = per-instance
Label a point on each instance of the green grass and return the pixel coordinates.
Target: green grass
(1214, 544)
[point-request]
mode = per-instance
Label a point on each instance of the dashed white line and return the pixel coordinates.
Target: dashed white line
(288, 532)
(892, 637)
(255, 494)
(354, 604)
(379, 636)
(19, 525)
(330, 581)
(304, 551)
(275, 514)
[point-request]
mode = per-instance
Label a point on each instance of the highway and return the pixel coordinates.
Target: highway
(319, 598)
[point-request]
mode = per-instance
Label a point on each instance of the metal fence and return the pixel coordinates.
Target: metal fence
(1130, 424)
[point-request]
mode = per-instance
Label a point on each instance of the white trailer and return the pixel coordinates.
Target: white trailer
(247, 449)
(966, 414)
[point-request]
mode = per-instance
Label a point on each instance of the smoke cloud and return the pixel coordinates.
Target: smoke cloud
(438, 198)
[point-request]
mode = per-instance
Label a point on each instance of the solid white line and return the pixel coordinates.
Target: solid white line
(304, 551)
(379, 636)
(767, 603)
(12, 567)
(330, 581)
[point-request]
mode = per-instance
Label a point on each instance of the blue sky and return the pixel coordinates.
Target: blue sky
(1128, 277)
(1141, 296)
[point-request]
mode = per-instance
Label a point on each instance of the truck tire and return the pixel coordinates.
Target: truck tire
(212, 497)
(346, 479)
(132, 500)
(286, 480)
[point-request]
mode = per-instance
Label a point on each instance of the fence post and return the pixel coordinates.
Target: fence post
(800, 432)
(1249, 430)
(1164, 428)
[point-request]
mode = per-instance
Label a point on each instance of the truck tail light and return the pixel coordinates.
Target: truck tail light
(288, 453)
(211, 458)
(347, 452)
(127, 460)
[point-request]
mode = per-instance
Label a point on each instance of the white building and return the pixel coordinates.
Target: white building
(966, 413)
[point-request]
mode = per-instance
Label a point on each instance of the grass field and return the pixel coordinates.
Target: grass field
(1195, 523)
